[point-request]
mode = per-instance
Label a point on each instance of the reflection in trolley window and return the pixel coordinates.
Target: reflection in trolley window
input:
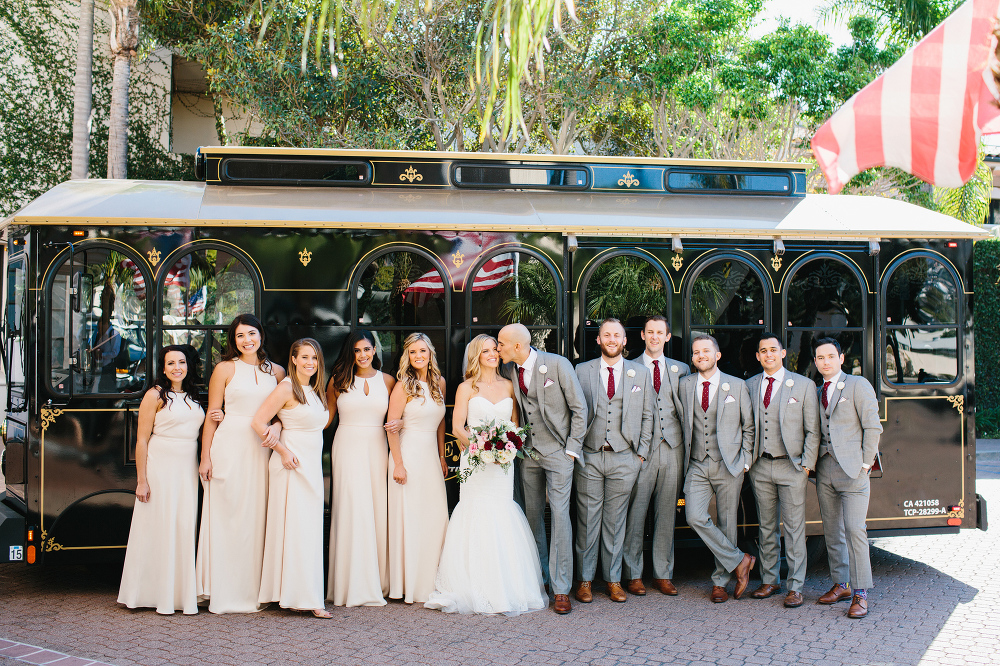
(921, 322)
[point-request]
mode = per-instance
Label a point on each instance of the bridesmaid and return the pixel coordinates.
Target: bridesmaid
(234, 472)
(359, 573)
(159, 562)
(293, 547)
(418, 504)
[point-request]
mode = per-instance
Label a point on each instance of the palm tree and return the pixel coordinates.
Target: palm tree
(902, 21)
(82, 93)
(124, 40)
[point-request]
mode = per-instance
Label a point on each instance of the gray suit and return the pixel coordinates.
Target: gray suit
(619, 431)
(556, 410)
(851, 429)
(660, 479)
(787, 439)
(719, 473)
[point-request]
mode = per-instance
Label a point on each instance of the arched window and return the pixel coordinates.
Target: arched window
(97, 322)
(516, 287)
(728, 301)
(627, 287)
(398, 292)
(921, 308)
(202, 289)
(824, 298)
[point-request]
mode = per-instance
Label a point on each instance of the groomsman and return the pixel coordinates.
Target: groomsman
(718, 445)
(786, 422)
(850, 427)
(620, 399)
(549, 398)
(661, 476)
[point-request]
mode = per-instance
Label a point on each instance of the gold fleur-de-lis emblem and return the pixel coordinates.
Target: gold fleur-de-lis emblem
(677, 261)
(776, 263)
(628, 180)
(411, 175)
(154, 257)
(625, 201)
(410, 198)
(305, 256)
(458, 259)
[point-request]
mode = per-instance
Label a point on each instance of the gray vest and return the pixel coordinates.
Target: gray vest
(825, 446)
(607, 425)
(704, 440)
(666, 421)
(770, 436)
(541, 438)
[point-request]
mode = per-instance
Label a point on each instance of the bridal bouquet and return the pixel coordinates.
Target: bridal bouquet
(497, 442)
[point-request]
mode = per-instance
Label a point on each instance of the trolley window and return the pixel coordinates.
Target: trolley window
(515, 287)
(629, 288)
(728, 301)
(201, 292)
(824, 298)
(97, 324)
(921, 300)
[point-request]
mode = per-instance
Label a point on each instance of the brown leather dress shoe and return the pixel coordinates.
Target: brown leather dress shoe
(616, 592)
(764, 591)
(665, 586)
(793, 599)
(742, 573)
(562, 604)
(636, 587)
(584, 593)
(719, 594)
(859, 608)
(836, 593)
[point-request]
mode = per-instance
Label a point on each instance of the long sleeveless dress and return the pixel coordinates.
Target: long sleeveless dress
(231, 541)
(418, 509)
(359, 570)
(490, 561)
(293, 548)
(159, 562)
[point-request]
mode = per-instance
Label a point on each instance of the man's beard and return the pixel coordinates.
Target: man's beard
(619, 352)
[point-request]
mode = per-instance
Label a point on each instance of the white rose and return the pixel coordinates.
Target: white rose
(630, 372)
(506, 457)
(840, 385)
(487, 456)
(674, 368)
(789, 383)
(725, 387)
(542, 369)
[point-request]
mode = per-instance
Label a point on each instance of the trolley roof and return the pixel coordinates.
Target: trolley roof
(162, 203)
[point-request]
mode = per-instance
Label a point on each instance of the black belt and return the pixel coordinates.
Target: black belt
(765, 454)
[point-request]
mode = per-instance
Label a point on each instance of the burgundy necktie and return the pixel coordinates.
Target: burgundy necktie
(656, 375)
(767, 392)
(826, 401)
(611, 383)
(704, 396)
(520, 381)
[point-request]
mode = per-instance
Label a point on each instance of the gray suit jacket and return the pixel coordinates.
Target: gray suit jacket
(855, 427)
(798, 417)
(637, 405)
(734, 425)
(672, 384)
(560, 401)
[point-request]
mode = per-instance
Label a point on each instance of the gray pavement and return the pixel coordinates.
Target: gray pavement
(937, 602)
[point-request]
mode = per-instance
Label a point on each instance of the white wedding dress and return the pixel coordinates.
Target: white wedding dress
(490, 561)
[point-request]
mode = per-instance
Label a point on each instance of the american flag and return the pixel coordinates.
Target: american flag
(197, 303)
(926, 113)
(138, 282)
(493, 272)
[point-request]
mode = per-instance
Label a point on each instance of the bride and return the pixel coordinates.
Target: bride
(490, 562)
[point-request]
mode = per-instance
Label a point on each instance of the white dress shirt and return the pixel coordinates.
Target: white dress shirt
(647, 361)
(831, 388)
(529, 365)
(779, 377)
(616, 368)
(713, 386)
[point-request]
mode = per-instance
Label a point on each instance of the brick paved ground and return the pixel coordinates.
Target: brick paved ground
(938, 602)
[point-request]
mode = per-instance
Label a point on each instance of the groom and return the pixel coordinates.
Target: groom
(550, 398)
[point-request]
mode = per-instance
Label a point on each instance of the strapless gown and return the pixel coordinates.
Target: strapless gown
(490, 561)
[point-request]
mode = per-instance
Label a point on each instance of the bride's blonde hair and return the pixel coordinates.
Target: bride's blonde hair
(408, 375)
(473, 369)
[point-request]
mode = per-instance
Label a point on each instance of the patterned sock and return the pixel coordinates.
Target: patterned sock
(861, 593)
(843, 585)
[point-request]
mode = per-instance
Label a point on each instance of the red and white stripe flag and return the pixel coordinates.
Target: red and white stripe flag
(926, 113)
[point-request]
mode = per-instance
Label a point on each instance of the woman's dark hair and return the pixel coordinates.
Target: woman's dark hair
(342, 376)
(190, 382)
(232, 351)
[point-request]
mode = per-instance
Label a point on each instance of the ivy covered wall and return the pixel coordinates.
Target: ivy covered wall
(987, 337)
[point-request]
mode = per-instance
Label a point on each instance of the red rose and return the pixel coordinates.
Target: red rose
(512, 437)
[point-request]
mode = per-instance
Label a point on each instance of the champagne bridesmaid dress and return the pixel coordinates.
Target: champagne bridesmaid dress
(159, 562)
(231, 541)
(418, 509)
(359, 573)
(293, 547)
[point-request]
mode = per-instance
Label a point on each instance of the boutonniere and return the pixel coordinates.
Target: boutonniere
(725, 387)
(840, 386)
(674, 368)
(789, 383)
(630, 372)
(542, 369)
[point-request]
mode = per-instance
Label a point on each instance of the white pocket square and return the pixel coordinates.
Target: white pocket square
(636, 389)
(792, 401)
(842, 399)
(548, 382)
(730, 399)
